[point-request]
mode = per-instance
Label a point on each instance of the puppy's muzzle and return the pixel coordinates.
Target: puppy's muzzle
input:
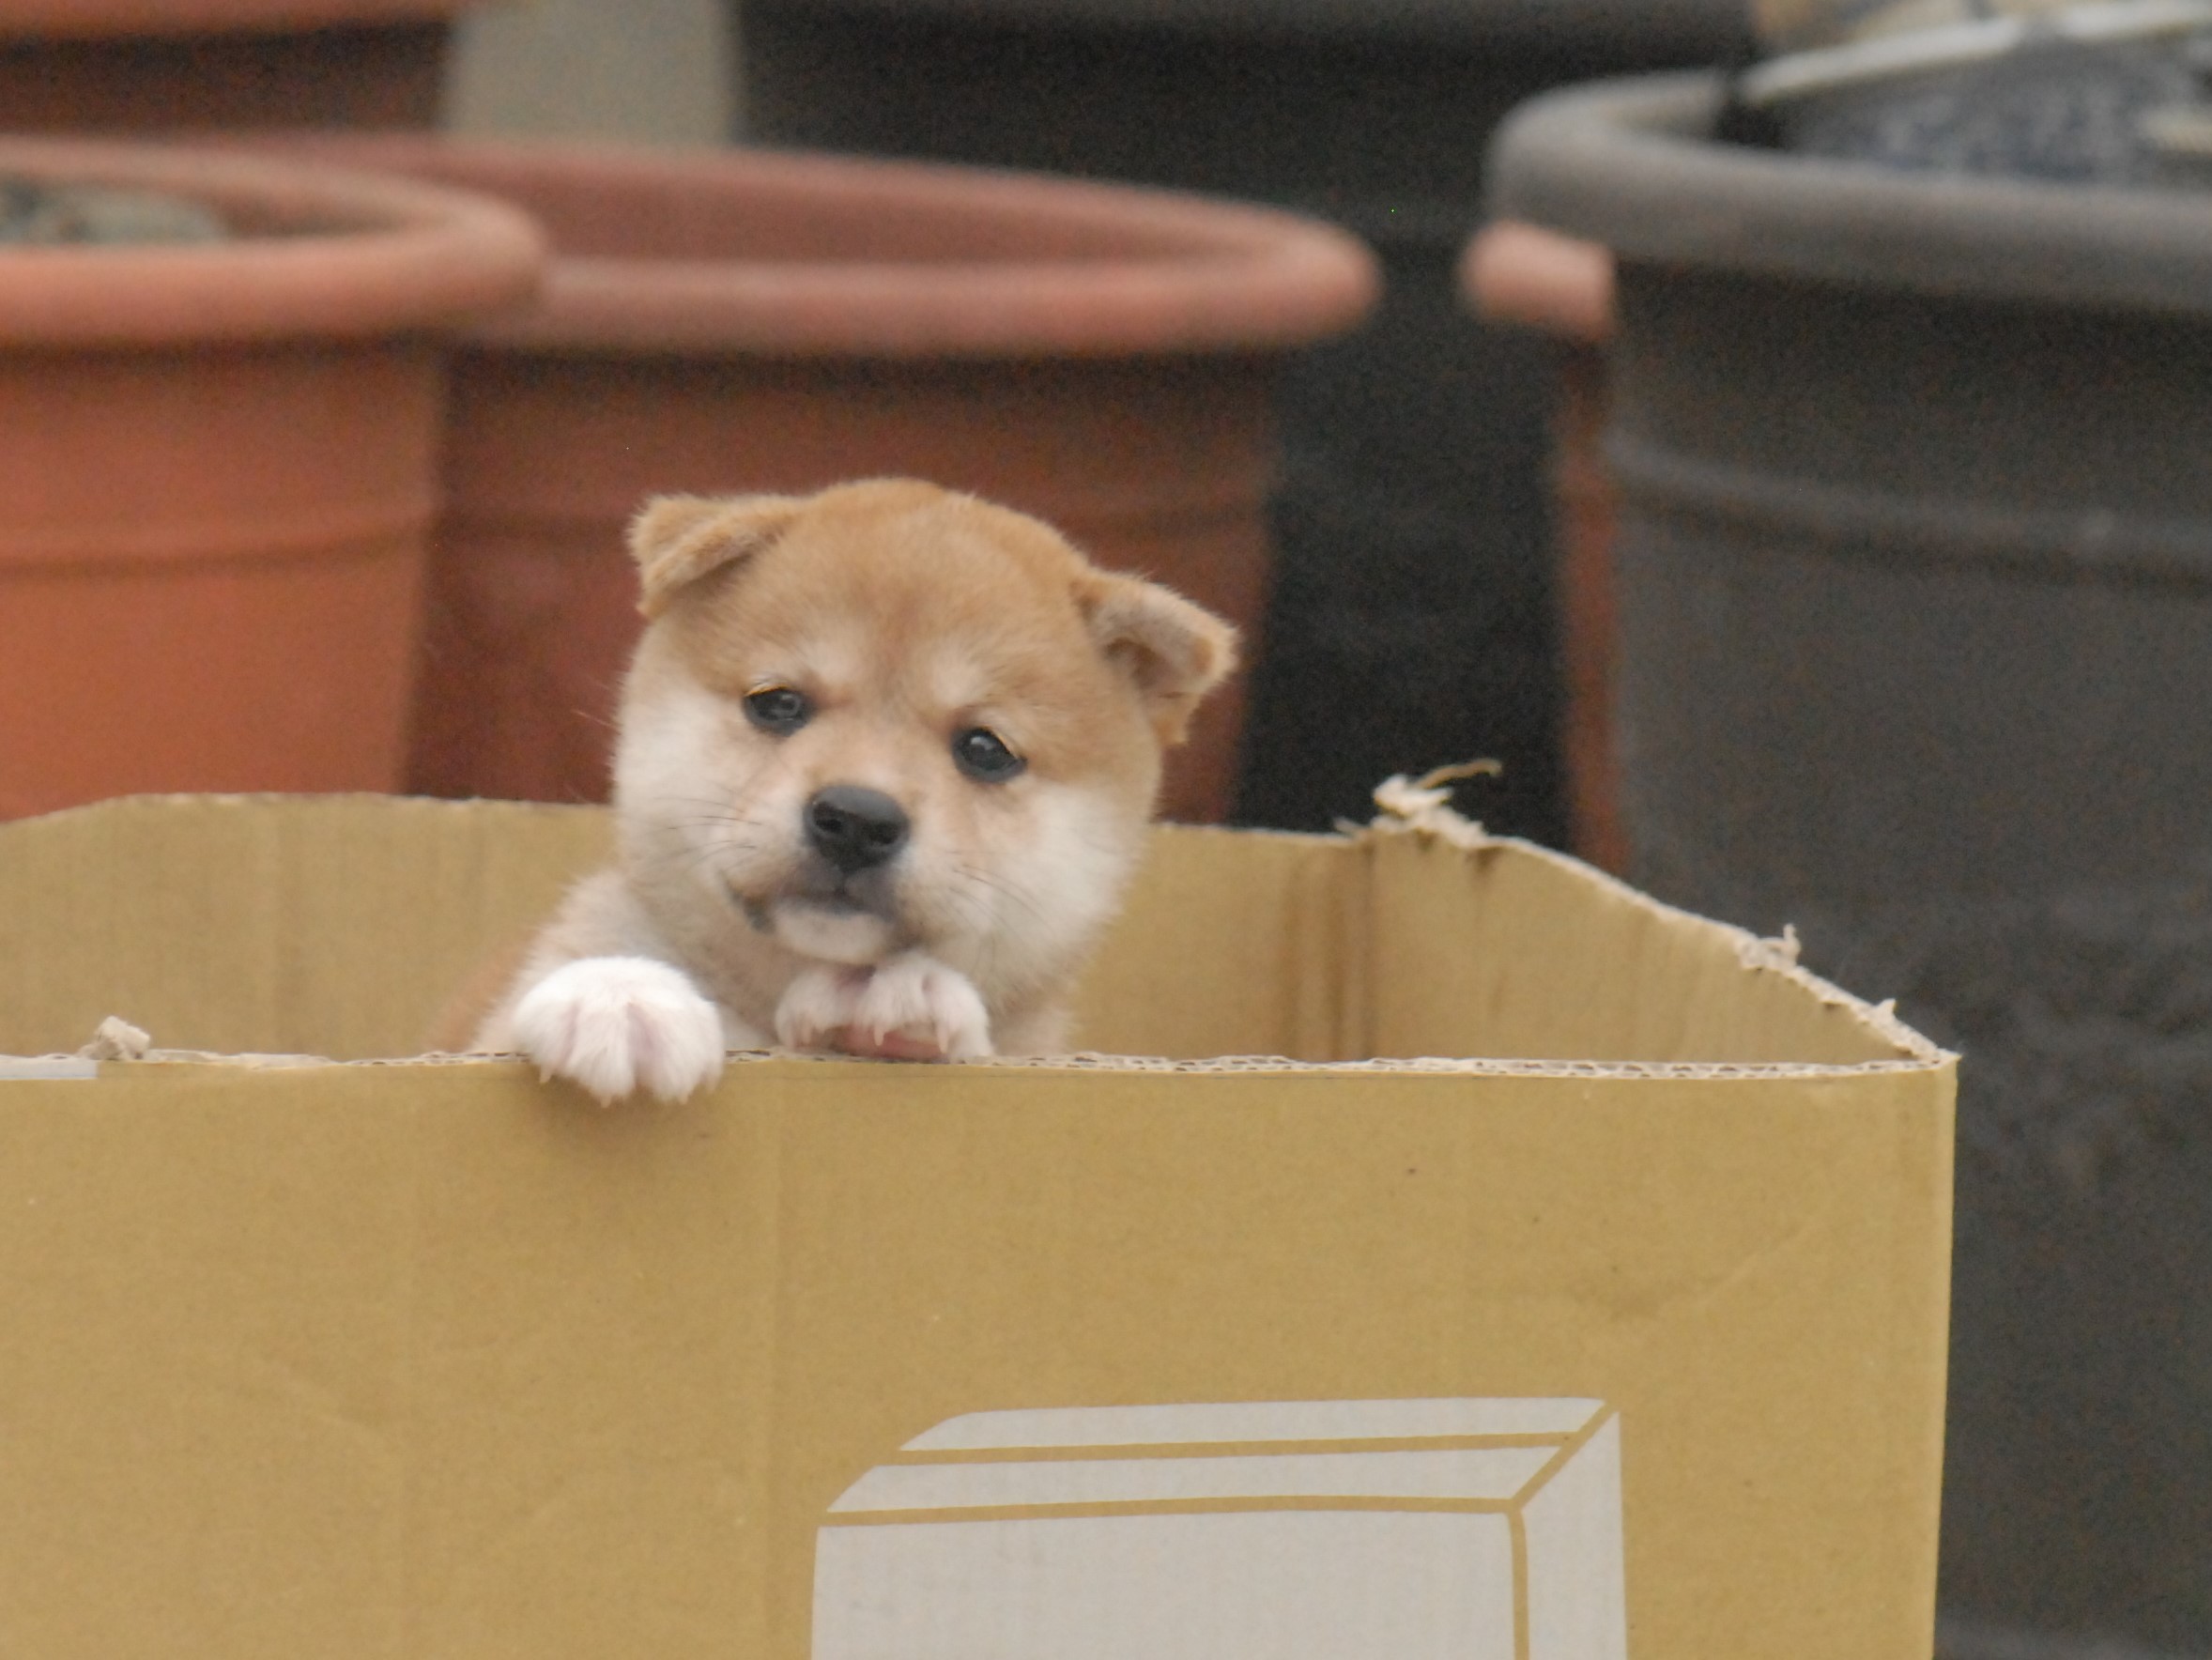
(856, 828)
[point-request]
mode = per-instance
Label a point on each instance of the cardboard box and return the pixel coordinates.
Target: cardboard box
(1575, 1287)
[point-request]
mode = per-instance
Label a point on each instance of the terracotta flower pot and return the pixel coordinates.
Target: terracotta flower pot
(151, 65)
(736, 320)
(220, 472)
(1518, 274)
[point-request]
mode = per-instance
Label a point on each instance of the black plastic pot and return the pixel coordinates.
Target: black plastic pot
(1915, 567)
(1412, 621)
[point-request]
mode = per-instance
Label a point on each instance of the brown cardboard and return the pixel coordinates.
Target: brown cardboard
(1607, 1319)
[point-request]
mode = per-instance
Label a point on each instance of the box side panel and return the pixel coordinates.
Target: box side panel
(336, 927)
(203, 1414)
(429, 1360)
(599, 1435)
(1286, 1585)
(1232, 943)
(381, 1362)
(1504, 951)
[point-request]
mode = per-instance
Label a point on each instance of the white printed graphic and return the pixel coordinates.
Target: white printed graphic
(1449, 1530)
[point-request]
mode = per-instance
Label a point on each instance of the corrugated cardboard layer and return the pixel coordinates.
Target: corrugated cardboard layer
(428, 1360)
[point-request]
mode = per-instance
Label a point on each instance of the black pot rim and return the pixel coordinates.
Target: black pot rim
(1632, 164)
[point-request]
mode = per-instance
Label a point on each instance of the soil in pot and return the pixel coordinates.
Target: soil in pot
(2060, 97)
(34, 212)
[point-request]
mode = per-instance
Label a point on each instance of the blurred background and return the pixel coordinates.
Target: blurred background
(1411, 616)
(657, 72)
(1775, 431)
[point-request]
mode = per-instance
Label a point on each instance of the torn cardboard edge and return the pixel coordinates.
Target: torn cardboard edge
(1422, 808)
(117, 1040)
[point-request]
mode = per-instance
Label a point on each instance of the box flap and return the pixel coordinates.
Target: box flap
(335, 925)
(343, 926)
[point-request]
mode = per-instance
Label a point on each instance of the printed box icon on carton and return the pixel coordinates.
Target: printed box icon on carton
(1470, 1530)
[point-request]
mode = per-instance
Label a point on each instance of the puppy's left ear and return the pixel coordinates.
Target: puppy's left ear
(1173, 651)
(677, 539)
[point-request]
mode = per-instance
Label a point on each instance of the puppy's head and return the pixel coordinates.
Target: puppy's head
(889, 716)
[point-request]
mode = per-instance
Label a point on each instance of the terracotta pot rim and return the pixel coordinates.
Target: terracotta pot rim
(95, 20)
(369, 255)
(1515, 272)
(1197, 276)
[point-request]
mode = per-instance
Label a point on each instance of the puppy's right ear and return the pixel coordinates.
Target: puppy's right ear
(677, 539)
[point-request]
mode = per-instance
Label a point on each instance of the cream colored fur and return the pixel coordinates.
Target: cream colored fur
(905, 617)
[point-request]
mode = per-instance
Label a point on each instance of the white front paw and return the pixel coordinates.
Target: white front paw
(918, 998)
(910, 1008)
(614, 1025)
(818, 1006)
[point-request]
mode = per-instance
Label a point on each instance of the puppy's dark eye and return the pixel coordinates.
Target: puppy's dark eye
(983, 756)
(778, 710)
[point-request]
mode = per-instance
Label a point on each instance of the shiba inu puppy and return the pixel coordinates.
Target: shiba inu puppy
(886, 758)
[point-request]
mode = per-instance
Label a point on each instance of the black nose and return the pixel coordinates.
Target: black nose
(854, 828)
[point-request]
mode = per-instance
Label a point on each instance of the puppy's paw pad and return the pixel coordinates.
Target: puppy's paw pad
(817, 1004)
(918, 998)
(616, 1025)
